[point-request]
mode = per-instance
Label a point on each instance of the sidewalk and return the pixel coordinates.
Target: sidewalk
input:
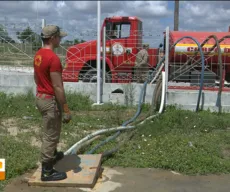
(139, 180)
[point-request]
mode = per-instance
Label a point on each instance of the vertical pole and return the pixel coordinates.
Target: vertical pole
(104, 54)
(43, 25)
(98, 53)
(166, 61)
(176, 15)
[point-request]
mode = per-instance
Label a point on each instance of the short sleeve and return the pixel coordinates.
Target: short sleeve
(55, 64)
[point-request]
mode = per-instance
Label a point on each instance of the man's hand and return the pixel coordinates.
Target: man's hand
(66, 114)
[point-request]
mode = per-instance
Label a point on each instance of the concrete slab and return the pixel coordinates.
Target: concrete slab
(82, 171)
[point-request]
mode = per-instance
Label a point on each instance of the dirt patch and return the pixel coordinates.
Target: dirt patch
(35, 142)
(226, 152)
(10, 125)
(104, 112)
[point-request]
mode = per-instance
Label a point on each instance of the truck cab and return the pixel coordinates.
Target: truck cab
(123, 41)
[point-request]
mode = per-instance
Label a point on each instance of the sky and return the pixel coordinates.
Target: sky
(78, 17)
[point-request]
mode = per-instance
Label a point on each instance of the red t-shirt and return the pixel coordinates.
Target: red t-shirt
(46, 61)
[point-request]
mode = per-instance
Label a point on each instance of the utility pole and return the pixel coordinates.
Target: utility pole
(176, 15)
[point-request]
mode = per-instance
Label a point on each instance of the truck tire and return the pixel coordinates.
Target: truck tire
(91, 76)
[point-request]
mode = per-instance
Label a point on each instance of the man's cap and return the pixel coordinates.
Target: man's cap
(50, 30)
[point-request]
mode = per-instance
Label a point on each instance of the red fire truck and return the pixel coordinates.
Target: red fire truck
(122, 47)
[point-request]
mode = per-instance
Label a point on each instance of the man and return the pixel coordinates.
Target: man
(50, 100)
(141, 64)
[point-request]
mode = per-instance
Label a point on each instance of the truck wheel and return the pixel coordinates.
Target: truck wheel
(91, 76)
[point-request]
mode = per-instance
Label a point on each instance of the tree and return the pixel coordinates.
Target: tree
(28, 36)
(74, 42)
(4, 36)
(77, 41)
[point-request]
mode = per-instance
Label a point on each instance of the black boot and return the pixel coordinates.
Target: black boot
(58, 155)
(50, 174)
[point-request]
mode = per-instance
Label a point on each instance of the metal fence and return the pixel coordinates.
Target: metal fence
(120, 52)
(19, 43)
(185, 64)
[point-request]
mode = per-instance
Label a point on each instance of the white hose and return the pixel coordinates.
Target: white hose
(77, 146)
(162, 100)
(162, 93)
(158, 73)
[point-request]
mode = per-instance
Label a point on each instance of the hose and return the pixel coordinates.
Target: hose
(201, 84)
(125, 123)
(108, 153)
(77, 145)
(191, 58)
(217, 44)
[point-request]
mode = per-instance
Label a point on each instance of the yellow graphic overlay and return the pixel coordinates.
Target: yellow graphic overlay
(2, 169)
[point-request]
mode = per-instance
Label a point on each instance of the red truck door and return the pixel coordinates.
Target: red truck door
(121, 45)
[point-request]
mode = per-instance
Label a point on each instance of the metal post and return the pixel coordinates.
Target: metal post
(98, 53)
(104, 54)
(166, 61)
(43, 25)
(176, 15)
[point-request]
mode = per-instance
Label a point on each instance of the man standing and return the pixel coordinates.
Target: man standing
(50, 100)
(141, 64)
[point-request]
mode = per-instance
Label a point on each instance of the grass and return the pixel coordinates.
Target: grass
(183, 141)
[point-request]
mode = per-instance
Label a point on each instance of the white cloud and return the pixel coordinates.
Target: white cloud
(148, 8)
(205, 15)
(77, 16)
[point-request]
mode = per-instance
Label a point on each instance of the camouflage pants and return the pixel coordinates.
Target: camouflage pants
(52, 119)
(141, 74)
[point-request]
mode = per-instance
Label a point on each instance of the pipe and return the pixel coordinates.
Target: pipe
(124, 124)
(142, 92)
(77, 145)
(163, 92)
(107, 153)
(141, 99)
(98, 53)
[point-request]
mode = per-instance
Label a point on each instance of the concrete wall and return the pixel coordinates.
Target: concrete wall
(16, 82)
(19, 82)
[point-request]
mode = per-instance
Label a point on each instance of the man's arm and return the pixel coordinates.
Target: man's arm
(59, 91)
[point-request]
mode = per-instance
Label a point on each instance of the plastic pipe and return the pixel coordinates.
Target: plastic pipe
(124, 124)
(77, 145)
(142, 93)
(163, 92)
(107, 153)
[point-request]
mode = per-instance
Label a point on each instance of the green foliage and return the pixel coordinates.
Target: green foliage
(17, 106)
(74, 42)
(20, 156)
(28, 36)
(179, 140)
(183, 141)
(4, 36)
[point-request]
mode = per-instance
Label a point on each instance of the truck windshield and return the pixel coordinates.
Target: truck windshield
(117, 30)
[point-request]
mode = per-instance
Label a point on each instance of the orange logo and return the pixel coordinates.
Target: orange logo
(2, 169)
(38, 60)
